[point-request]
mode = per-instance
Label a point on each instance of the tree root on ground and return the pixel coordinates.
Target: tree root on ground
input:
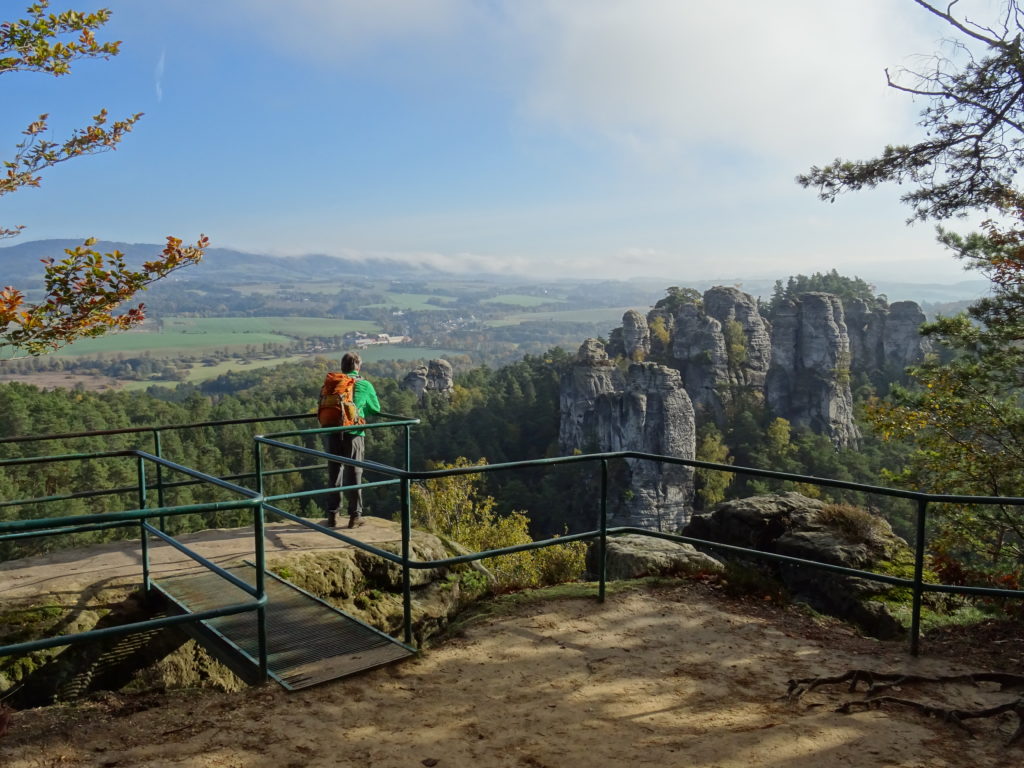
(877, 683)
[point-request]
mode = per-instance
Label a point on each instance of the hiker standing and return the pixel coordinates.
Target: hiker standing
(346, 399)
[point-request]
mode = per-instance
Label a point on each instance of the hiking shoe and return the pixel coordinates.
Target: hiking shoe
(332, 519)
(354, 521)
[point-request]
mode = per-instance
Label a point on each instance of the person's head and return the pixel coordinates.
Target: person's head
(350, 362)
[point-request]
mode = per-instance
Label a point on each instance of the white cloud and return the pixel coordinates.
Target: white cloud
(657, 76)
(781, 78)
(716, 105)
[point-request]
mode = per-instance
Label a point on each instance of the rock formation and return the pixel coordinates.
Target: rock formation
(633, 557)
(721, 348)
(809, 379)
(636, 336)
(730, 305)
(436, 376)
(698, 349)
(885, 339)
(592, 376)
(864, 326)
(797, 526)
(801, 366)
(646, 410)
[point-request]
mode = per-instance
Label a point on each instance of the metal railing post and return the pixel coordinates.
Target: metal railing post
(143, 534)
(406, 576)
(160, 500)
(261, 588)
(408, 447)
(915, 616)
(258, 466)
(602, 542)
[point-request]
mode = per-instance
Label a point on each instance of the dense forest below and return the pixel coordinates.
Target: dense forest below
(492, 414)
(500, 414)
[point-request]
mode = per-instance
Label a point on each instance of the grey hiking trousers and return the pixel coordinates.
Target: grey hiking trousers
(350, 447)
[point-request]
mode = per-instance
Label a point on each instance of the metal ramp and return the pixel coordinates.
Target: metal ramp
(308, 640)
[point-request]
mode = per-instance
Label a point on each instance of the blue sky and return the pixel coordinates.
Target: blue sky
(547, 137)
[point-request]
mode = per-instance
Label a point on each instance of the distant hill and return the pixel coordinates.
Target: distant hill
(20, 263)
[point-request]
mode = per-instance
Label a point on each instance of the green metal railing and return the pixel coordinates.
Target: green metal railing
(401, 479)
(24, 529)
(55, 526)
(155, 434)
(404, 477)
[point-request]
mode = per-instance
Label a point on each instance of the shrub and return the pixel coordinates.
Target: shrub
(855, 523)
(454, 507)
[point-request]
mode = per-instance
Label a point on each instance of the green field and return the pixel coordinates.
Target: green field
(192, 335)
(522, 300)
(200, 373)
(167, 344)
(607, 315)
(412, 301)
(299, 327)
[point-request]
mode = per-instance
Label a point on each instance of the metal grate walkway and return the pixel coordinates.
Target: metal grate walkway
(308, 641)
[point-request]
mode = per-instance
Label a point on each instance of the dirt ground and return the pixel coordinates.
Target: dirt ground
(665, 674)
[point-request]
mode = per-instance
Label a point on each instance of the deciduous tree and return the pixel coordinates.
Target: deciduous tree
(85, 291)
(455, 507)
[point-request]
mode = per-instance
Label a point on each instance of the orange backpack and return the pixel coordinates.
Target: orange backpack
(337, 407)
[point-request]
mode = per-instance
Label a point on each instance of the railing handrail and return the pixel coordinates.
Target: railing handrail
(917, 584)
(404, 477)
(154, 428)
(431, 474)
(14, 529)
(191, 425)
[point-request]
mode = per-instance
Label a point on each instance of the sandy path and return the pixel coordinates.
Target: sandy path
(674, 676)
(67, 573)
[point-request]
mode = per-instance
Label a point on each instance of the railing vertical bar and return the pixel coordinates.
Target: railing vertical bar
(602, 546)
(258, 466)
(408, 447)
(161, 501)
(915, 616)
(406, 576)
(259, 534)
(144, 535)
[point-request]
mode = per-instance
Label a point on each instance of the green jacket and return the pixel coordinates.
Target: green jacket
(365, 398)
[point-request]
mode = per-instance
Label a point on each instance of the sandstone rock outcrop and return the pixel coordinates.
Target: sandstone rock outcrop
(731, 305)
(633, 557)
(797, 526)
(698, 349)
(801, 366)
(645, 410)
(591, 376)
(809, 379)
(636, 336)
(721, 348)
(865, 326)
(885, 339)
(436, 376)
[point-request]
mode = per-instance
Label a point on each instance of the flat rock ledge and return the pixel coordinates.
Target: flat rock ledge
(634, 556)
